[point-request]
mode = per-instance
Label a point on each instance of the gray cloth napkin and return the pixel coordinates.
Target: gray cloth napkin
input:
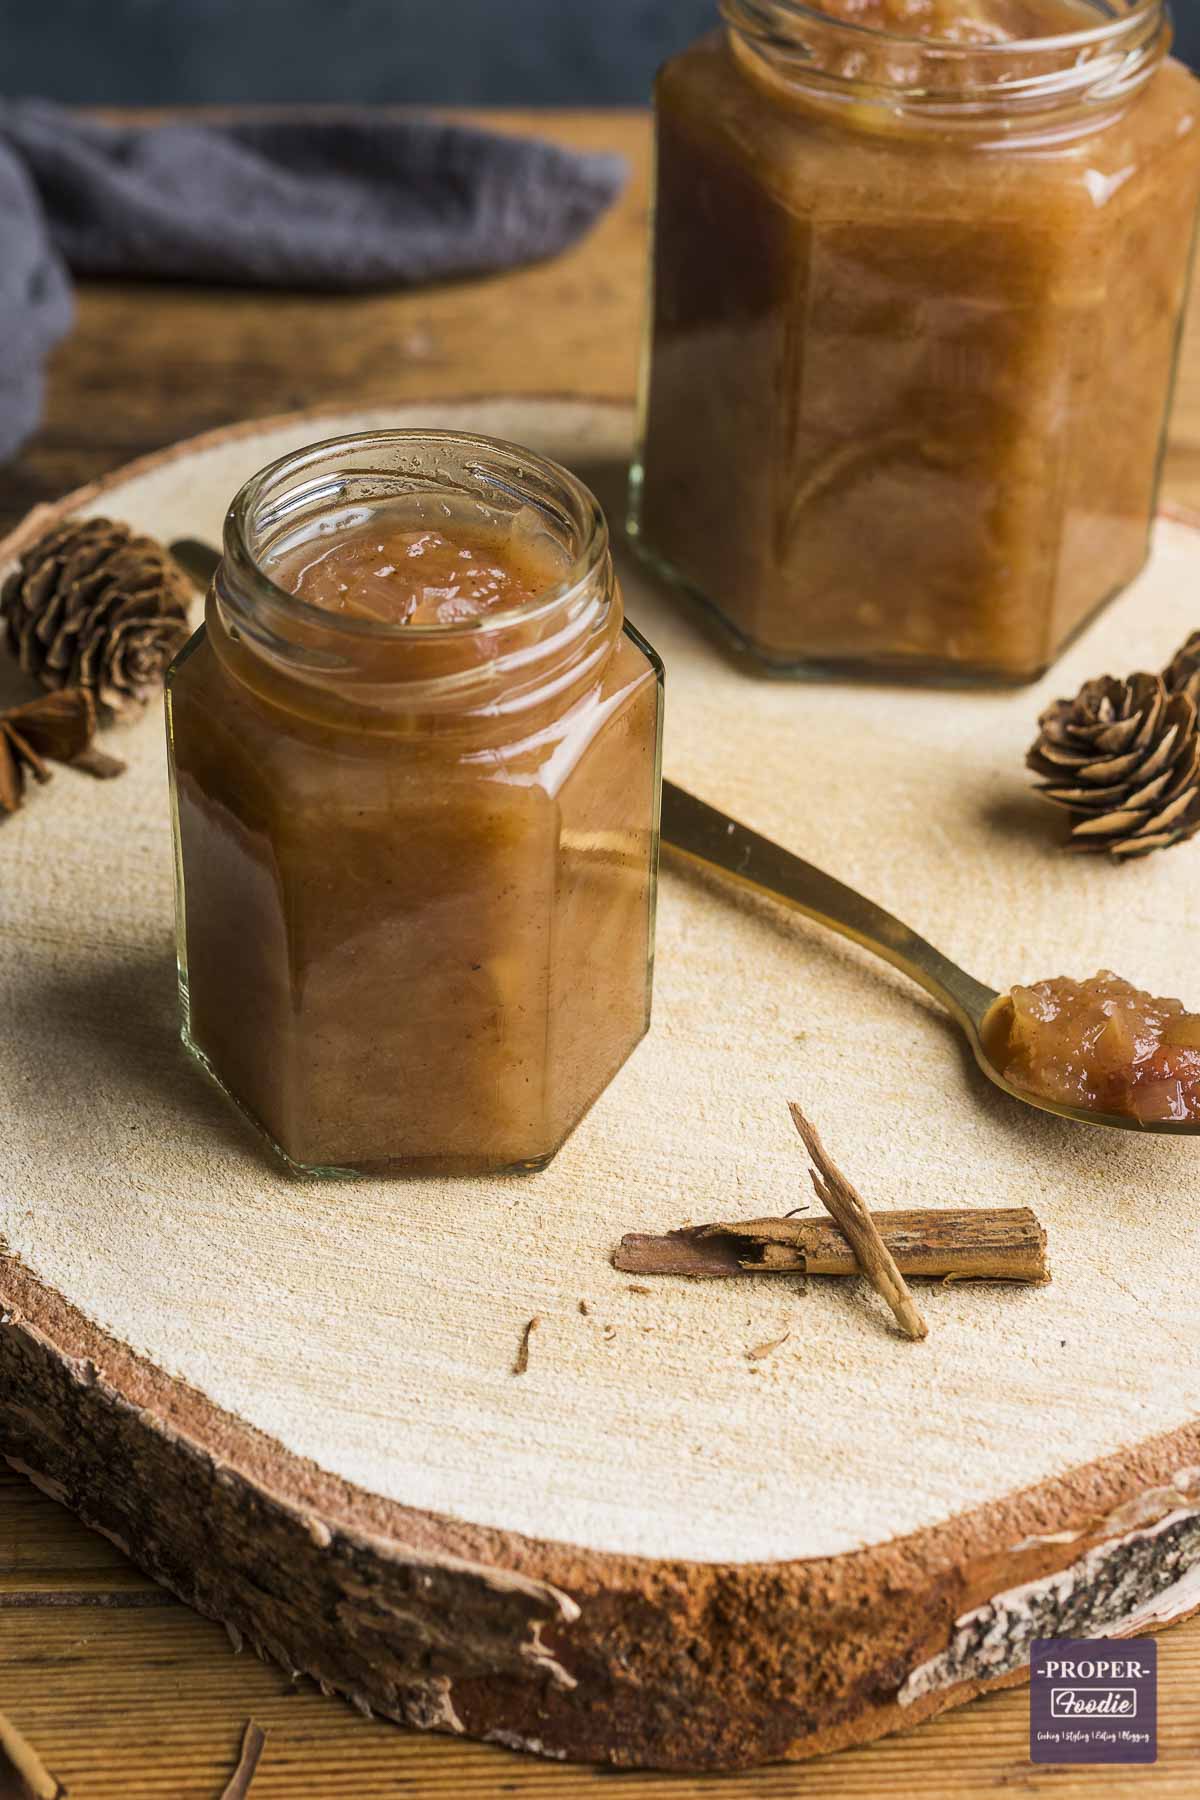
(333, 203)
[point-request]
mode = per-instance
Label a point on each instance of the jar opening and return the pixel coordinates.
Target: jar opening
(1115, 47)
(360, 661)
(338, 481)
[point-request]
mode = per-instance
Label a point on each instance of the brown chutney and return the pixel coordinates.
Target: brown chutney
(1102, 1045)
(919, 272)
(415, 759)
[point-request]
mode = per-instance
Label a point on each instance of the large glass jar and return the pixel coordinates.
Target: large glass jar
(915, 315)
(416, 861)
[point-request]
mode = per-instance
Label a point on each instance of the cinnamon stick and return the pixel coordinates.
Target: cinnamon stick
(952, 1243)
(854, 1217)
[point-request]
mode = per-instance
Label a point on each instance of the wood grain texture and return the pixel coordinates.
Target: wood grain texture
(140, 1697)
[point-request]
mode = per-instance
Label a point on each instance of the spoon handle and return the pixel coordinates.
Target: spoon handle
(704, 835)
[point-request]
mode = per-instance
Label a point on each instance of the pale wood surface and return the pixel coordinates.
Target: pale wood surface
(377, 1338)
(140, 1697)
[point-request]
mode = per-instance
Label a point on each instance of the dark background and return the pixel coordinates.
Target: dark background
(533, 52)
(500, 52)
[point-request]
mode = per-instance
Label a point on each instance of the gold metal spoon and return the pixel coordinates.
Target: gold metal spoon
(701, 834)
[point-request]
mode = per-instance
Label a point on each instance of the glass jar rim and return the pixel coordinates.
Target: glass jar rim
(809, 12)
(1105, 60)
(282, 479)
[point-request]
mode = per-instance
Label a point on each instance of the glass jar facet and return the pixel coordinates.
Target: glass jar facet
(416, 863)
(913, 332)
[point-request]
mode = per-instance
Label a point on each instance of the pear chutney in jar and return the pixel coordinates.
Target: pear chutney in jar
(919, 273)
(415, 757)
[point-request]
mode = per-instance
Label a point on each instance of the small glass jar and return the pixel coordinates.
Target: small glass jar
(416, 862)
(915, 315)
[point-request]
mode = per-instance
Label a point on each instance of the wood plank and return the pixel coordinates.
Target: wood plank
(43, 1555)
(149, 363)
(125, 1706)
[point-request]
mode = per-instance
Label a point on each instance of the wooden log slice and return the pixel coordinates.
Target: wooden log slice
(295, 1403)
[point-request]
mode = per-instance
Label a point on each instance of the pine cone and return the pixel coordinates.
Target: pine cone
(1124, 757)
(1184, 672)
(94, 606)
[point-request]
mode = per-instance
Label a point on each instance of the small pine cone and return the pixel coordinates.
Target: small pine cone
(92, 605)
(1183, 674)
(1124, 758)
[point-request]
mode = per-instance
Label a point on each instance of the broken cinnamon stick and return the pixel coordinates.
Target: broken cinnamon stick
(854, 1216)
(953, 1243)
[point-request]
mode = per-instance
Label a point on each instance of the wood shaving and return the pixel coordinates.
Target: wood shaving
(253, 1740)
(23, 1774)
(522, 1362)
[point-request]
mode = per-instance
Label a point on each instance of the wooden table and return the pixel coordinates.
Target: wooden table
(126, 1693)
